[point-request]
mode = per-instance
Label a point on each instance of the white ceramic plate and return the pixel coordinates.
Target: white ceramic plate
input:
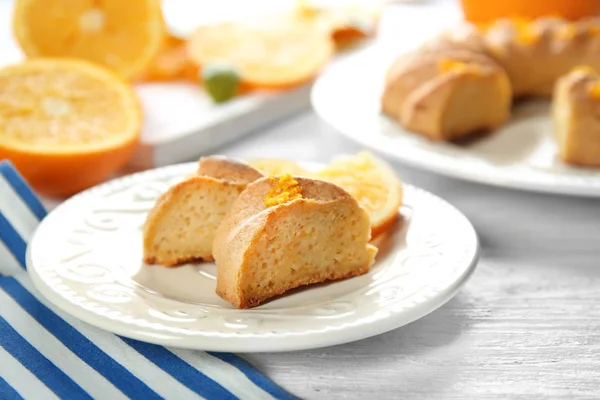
(521, 155)
(86, 258)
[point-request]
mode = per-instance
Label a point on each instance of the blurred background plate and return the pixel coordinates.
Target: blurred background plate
(522, 154)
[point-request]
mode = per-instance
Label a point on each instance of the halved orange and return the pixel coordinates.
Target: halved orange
(123, 35)
(271, 52)
(372, 182)
(66, 124)
(171, 63)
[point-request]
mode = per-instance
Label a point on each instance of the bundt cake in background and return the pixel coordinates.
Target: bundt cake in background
(286, 232)
(464, 36)
(576, 116)
(535, 54)
(433, 92)
(181, 226)
(466, 79)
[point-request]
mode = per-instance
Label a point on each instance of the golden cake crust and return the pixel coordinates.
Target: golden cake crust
(535, 54)
(228, 170)
(257, 252)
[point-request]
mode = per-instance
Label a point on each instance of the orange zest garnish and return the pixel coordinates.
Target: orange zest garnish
(286, 189)
(450, 65)
(447, 65)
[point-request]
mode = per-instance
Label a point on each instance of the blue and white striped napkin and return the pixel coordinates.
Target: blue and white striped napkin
(45, 354)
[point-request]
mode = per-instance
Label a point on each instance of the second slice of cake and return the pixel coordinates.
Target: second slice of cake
(181, 226)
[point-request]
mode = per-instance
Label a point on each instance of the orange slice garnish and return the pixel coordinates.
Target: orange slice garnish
(171, 63)
(267, 52)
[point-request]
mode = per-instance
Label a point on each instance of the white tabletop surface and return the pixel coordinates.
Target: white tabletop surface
(526, 325)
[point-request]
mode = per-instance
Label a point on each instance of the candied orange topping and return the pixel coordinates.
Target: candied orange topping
(450, 65)
(594, 90)
(525, 34)
(286, 189)
(594, 30)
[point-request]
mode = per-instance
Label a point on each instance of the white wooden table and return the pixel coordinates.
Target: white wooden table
(526, 325)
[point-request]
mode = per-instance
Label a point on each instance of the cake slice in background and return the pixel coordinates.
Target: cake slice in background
(432, 93)
(576, 116)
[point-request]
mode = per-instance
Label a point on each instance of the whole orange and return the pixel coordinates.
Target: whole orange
(122, 35)
(482, 11)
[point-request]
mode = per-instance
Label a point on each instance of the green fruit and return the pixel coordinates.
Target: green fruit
(220, 80)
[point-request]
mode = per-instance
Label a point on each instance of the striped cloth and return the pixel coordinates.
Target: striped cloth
(46, 354)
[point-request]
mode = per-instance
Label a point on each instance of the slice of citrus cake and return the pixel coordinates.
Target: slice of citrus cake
(286, 232)
(181, 226)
